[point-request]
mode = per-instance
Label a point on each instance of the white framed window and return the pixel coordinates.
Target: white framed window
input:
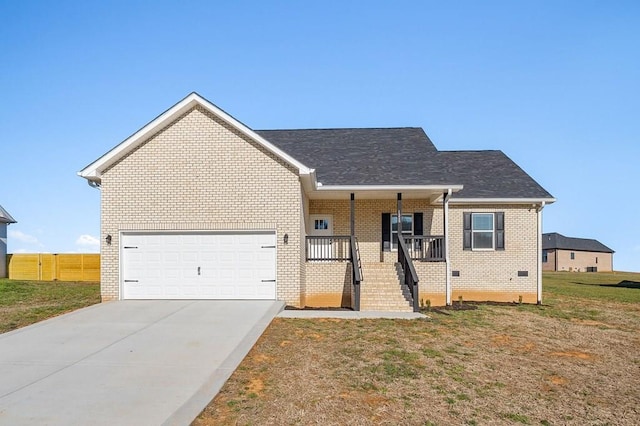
(407, 228)
(321, 224)
(482, 231)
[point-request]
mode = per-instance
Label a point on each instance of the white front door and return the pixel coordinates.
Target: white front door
(319, 245)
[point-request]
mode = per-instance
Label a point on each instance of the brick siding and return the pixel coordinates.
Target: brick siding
(328, 284)
(493, 275)
(582, 260)
(199, 173)
(483, 275)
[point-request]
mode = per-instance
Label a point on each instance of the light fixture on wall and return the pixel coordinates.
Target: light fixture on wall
(286, 238)
(108, 239)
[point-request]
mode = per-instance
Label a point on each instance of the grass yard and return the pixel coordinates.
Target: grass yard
(26, 302)
(573, 361)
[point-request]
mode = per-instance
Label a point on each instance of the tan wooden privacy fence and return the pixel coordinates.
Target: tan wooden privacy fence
(51, 267)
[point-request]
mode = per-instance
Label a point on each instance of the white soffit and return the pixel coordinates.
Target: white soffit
(328, 192)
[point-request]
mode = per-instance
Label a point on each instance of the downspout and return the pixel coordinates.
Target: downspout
(445, 225)
(539, 266)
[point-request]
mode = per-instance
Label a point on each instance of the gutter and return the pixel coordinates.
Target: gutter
(502, 200)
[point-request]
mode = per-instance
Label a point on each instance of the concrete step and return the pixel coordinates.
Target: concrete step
(386, 297)
(386, 308)
(381, 289)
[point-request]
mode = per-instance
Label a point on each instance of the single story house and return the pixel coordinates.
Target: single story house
(560, 253)
(198, 205)
(5, 220)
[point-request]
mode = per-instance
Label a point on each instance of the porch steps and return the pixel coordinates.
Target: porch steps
(382, 290)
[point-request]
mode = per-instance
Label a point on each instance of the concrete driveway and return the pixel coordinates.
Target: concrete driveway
(127, 362)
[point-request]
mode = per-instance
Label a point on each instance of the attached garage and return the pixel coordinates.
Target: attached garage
(198, 265)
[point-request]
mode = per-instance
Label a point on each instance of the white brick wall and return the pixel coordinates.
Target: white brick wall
(484, 275)
(493, 275)
(199, 173)
(328, 284)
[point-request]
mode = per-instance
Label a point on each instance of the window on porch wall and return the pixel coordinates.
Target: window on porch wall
(407, 228)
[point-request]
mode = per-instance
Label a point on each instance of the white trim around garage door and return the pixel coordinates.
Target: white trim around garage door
(198, 264)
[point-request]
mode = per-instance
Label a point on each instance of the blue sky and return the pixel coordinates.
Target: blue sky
(553, 84)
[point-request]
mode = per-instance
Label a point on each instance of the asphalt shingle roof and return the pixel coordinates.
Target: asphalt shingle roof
(553, 240)
(403, 156)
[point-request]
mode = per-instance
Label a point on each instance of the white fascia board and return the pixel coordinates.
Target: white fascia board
(5, 217)
(309, 181)
(396, 188)
(501, 200)
(94, 170)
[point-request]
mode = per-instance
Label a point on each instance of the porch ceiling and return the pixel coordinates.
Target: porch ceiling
(431, 192)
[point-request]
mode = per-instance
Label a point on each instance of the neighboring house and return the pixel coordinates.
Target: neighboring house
(560, 253)
(198, 205)
(5, 219)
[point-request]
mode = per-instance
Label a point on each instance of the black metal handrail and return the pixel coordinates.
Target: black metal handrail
(429, 248)
(410, 275)
(356, 267)
(328, 248)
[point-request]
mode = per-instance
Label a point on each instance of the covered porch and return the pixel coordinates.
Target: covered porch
(366, 248)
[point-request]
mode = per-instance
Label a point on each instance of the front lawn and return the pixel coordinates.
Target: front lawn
(574, 360)
(26, 302)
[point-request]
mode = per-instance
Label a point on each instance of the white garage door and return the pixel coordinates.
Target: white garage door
(198, 265)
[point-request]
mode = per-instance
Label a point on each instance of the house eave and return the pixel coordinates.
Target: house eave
(431, 192)
(93, 171)
(580, 250)
(535, 201)
(5, 217)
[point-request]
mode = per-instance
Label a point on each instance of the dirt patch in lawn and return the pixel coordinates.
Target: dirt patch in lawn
(573, 354)
(493, 365)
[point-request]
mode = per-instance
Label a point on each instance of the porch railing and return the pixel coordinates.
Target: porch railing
(410, 275)
(338, 248)
(428, 248)
(328, 248)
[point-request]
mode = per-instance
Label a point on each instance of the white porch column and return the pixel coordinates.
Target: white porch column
(445, 225)
(539, 255)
